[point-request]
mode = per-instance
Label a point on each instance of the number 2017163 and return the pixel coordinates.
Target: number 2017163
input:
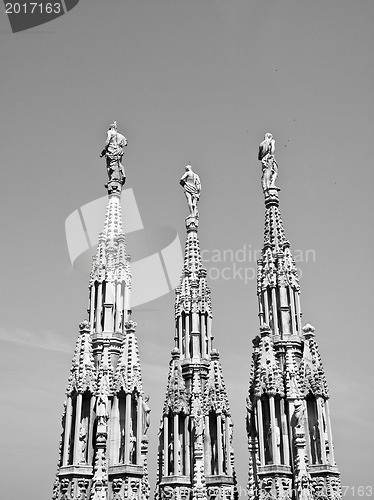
(32, 8)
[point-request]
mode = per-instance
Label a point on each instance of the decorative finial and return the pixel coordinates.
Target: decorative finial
(192, 187)
(113, 152)
(269, 164)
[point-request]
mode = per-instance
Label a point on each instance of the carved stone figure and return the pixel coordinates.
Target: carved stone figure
(299, 414)
(102, 409)
(184, 493)
(269, 164)
(82, 485)
(199, 425)
(213, 492)
(167, 493)
(82, 444)
(277, 438)
(316, 443)
(192, 187)
(134, 488)
(113, 152)
(132, 442)
(269, 446)
(117, 486)
(146, 415)
(304, 489)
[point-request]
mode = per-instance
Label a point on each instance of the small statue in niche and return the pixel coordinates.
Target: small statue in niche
(199, 425)
(269, 446)
(316, 443)
(192, 188)
(269, 164)
(113, 152)
(102, 409)
(132, 443)
(146, 415)
(299, 415)
(82, 444)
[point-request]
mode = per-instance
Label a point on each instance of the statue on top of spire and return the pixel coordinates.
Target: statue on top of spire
(192, 187)
(269, 164)
(113, 152)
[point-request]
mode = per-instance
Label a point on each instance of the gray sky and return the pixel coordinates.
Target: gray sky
(200, 82)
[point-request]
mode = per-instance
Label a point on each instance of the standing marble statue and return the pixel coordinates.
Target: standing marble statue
(146, 416)
(192, 187)
(269, 164)
(113, 152)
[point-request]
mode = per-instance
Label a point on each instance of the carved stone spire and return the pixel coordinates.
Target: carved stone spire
(195, 458)
(104, 447)
(288, 426)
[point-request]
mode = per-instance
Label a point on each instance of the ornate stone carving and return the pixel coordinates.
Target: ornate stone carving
(184, 493)
(269, 164)
(192, 188)
(117, 487)
(213, 492)
(82, 489)
(319, 488)
(113, 152)
(64, 487)
(167, 493)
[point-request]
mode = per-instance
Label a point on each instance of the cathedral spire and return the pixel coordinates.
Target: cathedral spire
(103, 452)
(288, 422)
(195, 459)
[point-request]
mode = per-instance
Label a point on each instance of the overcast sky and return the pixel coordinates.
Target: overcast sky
(197, 81)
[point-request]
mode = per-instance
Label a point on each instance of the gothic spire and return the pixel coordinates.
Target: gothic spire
(103, 451)
(288, 423)
(195, 458)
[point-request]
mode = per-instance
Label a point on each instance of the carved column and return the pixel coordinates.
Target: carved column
(139, 430)
(118, 308)
(308, 444)
(274, 445)
(204, 338)
(261, 311)
(187, 335)
(67, 431)
(228, 453)
(209, 332)
(92, 307)
(115, 432)
(275, 311)
(108, 308)
(285, 311)
(260, 425)
(219, 445)
(293, 312)
(266, 305)
(99, 307)
(207, 449)
(188, 444)
(284, 430)
(175, 444)
(128, 426)
(298, 310)
(78, 413)
(90, 432)
(329, 433)
(166, 446)
(321, 432)
(126, 303)
(180, 335)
